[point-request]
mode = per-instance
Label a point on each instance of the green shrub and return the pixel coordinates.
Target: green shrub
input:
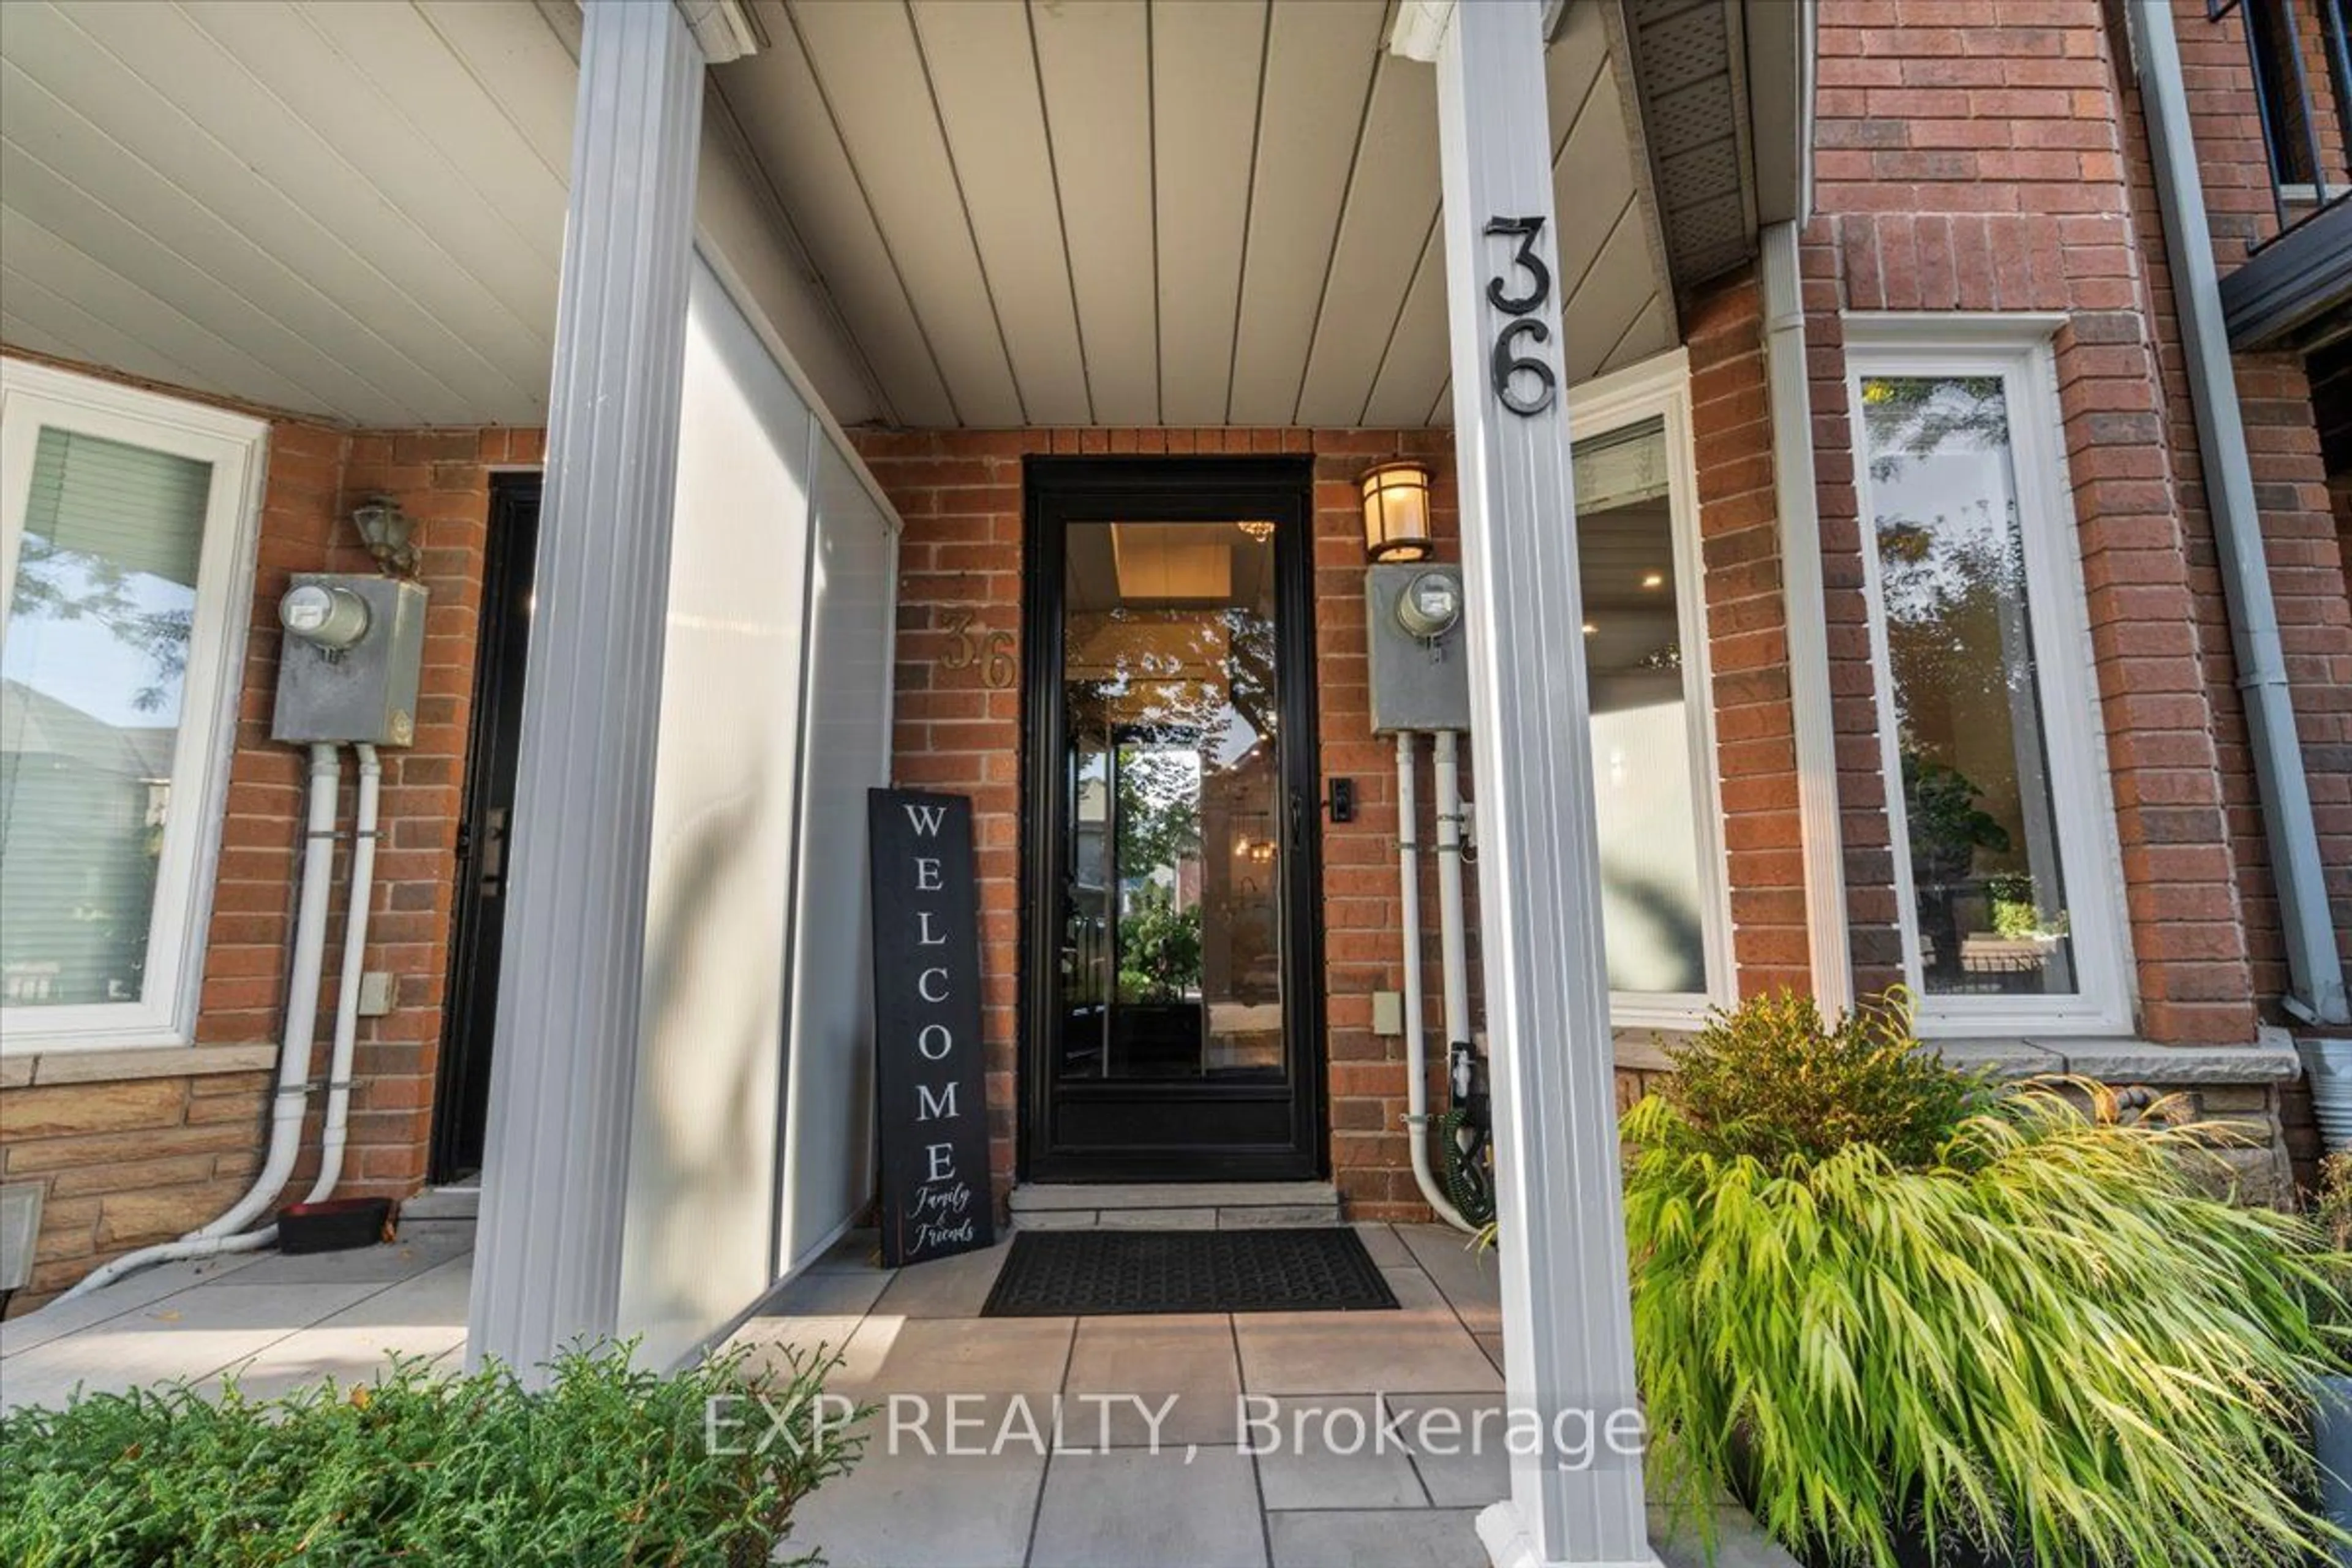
(608, 1465)
(1772, 1081)
(2034, 1328)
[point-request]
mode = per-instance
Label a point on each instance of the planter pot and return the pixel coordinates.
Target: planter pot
(2331, 1445)
(1911, 1545)
(2328, 1064)
(1911, 1551)
(337, 1224)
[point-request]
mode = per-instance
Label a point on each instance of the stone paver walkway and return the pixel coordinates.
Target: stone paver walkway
(275, 1321)
(1217, 1440)
(1251, 1446)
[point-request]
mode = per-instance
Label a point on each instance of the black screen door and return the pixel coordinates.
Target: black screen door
(1171, 958)
(461, 1104)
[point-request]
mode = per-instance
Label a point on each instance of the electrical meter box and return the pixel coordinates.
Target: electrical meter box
(348, 669)
(1419, 669)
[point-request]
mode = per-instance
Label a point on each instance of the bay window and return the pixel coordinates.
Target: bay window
(126, 525)
(2003, 837)
(1664, 907)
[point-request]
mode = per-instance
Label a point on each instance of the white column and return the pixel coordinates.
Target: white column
(1566, 1327)
(547, 1259)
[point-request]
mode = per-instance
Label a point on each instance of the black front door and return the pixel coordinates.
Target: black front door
(461, 1102)
(1171, 1001)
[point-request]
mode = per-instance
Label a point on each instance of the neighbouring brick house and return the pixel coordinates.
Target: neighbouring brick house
(141, 1145)
(1901, 263)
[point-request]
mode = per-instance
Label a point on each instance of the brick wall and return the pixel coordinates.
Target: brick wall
(142, 1146)
(2223, 118)
(1973, 157)
(1748, 635)
(1371, 1161)
(960, 495)
(440, 478)
(2303, 530)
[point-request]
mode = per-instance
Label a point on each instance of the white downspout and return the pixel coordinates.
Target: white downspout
(293, 1056)
(1416, 1045)
(347, 993)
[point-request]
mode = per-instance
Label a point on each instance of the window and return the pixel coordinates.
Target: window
(2004, 833)
(125, 557)
(1664, 911)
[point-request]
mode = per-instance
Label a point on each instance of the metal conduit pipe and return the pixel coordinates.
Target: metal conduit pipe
(326, 778)
(2314, 968)
(1452, 925)
(347, 992)
(1416, 1043)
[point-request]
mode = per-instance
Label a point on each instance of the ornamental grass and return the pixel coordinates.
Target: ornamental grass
(1900, 1302)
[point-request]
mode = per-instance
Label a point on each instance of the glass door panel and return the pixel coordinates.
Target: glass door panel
(1172, 914)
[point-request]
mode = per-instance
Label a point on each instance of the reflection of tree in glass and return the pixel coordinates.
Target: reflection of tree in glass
(1947, 825)
(1159, 807)
(1946, 592)
(1948, 582)
(1159, 947)
(1918, 417)
(59, 584)
(1206, 672)
(1249, 668)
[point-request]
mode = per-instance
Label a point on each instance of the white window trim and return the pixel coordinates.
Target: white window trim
(1659, 388)
(32, 396)
(2017, 348)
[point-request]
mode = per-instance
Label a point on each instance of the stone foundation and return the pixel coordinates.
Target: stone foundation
(2257, 1086)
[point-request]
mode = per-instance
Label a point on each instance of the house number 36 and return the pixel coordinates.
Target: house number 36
(993, 651)
(1507, 362)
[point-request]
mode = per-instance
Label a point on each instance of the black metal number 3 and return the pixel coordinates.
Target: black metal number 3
(1507, 363)
(1526, 228)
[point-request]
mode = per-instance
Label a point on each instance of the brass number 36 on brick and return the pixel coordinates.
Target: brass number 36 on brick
(993, 651)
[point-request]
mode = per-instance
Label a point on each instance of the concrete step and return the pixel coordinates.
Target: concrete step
(1174, 1206)
(443, 1203)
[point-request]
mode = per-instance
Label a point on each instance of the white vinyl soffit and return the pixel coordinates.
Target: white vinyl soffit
(1119, 214)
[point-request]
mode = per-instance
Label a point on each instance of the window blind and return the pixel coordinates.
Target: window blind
(100, 618)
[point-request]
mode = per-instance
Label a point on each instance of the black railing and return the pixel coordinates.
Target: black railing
(2276, 47)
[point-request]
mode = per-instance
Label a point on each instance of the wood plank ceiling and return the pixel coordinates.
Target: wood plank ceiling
(1106, 212)
(1122, 212)
(352, 210)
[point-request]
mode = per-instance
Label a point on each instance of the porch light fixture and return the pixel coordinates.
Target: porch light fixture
(386, 529)
(1258, 531)
(1396, 512)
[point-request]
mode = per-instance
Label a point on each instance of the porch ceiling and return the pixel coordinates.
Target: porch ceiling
(349, 210)
(1122, 213)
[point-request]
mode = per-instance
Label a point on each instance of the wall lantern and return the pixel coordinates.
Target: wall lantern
(386, 529)
(1396, 512)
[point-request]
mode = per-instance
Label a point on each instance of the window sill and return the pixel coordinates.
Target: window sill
(2121, 1059)
(2113, 1060)
(37, 1069)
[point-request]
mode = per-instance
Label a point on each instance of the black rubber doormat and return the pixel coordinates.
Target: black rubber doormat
(1086, 1273)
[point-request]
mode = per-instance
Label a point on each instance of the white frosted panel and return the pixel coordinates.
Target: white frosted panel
(829, 1105)
(702, 1158)
(1650, 880)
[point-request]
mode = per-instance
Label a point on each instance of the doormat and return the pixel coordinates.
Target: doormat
(1085, 1273)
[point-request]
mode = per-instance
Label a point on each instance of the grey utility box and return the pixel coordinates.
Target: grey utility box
(348, 669)
(1419, 669)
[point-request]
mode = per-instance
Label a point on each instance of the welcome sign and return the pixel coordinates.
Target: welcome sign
(928, 1080)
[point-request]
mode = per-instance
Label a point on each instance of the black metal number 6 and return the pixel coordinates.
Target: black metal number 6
(1507, 362)
(1526, 228)
(1507, 365)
